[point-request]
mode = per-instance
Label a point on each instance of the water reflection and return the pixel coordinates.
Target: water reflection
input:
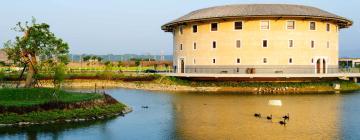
(350, 117)
(275, 102)
(213, 116)
(51, 131)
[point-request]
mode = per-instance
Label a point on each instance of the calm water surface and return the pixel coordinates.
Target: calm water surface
(197, 116)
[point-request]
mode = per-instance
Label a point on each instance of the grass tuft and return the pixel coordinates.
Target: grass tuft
(23, 97)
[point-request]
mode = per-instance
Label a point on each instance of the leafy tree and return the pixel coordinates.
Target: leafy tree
(36, 42)
(137, 63)
(107, 63)
(2, 63)
(99, 59)
(59, 75)
(155, 66)
(86, 58)
(166, 67)
(357, 65)
(107, 73)
(120, 63)
(93, 57)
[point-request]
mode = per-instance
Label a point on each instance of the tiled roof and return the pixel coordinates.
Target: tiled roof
(258, 10)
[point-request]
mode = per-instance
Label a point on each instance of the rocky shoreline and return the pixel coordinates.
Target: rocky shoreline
(156, 86)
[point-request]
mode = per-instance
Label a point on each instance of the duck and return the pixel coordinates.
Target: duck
(269, 117)
(286, 117)
(257, 115)
(145, 107)
(282, 122)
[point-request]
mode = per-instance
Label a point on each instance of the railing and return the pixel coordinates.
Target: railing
(267, 70)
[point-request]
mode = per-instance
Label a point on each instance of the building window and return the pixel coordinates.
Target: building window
(181, 29)
(312, 44)
(214, 26)
(265, 25)
(238, 61)
(265, 61)
(194, 61)
(181, 47)
(213, 61)
(328, 27)
(238, 25)
(238, 44)
(194, 45)
(328, 44)
(290, 25)
(291, 43)
(312, 61)
(290, 60)
(195, 28)
(214, 44)
(264, 43)
(312, 25)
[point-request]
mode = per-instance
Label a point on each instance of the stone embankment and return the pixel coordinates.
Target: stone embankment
(100, 85)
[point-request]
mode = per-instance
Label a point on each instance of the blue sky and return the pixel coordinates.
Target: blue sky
(133, 26)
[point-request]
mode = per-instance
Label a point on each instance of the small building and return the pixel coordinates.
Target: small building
(349, 62)
(257, 38)
(4, 57)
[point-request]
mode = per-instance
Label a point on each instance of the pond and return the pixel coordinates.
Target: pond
(197, 116)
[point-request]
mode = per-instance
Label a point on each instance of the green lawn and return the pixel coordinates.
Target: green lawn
(42, 116)
(33, 96)
(30, 97)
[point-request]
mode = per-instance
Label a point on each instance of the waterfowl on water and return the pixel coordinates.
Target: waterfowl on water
(144, 106)
(269, 117)
(282, 122)
(257, 115)
(286, 117)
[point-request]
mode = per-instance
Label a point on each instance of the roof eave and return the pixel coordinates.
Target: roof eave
(342, 22)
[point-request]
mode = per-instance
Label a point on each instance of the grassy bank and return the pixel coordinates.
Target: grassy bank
(34, 96)
(174, 80)
(163, 83)
(38, 105)
(61, 115)
(106, 75)
(320, 85)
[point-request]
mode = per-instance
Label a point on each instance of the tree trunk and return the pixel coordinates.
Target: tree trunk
(29, 76)
(31, 72)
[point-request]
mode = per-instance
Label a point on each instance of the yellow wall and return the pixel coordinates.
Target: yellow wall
(251, 51)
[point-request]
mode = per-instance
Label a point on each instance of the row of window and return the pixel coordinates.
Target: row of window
(264, 61)
(264, 25)
(265, 44)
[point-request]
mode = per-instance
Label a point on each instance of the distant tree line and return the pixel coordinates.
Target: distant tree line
(92, 58)
(142, 59)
